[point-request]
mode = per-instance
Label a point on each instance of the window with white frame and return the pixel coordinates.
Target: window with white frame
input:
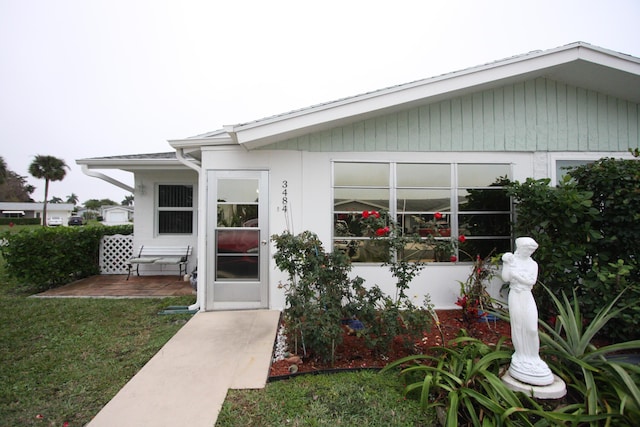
(462, 199)
(564, 166)
(175, 209)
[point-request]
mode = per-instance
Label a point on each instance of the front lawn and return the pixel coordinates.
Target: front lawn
(364, 398)
(62, 360)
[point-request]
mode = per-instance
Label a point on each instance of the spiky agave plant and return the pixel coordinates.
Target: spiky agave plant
(599, 383)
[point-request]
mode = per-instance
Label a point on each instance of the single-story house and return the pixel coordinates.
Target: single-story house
(116, 215)
(34, 210)
(439, 145)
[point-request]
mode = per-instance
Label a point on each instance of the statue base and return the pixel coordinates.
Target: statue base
(555, 390)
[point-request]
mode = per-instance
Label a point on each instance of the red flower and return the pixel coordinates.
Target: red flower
(453, 258)
(11, 224)
(437, 215)
(462, 238)
(382, 231)
(462, 301)
(367, 214)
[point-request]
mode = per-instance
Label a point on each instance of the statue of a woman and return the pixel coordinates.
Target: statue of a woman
(521, 271)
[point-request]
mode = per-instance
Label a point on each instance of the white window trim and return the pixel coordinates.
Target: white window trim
(393, 185)
(192, 209)
(553, 159)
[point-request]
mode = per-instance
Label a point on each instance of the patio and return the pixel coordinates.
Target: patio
(117, 286)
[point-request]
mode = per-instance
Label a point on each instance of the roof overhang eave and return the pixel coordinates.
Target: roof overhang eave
(196, 142)
(130, 164)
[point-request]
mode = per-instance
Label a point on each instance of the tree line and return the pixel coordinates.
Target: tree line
(14, 188)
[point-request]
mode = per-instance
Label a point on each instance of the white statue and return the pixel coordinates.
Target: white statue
(521, 271)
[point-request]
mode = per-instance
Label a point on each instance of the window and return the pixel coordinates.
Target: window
(175, 209)
(470, 198)
(564, 166)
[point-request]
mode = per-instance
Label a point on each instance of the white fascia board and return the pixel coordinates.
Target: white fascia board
(131, 164)
(190, 143)
(326, 116)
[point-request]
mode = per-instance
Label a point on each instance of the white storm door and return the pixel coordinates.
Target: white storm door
(238, 236)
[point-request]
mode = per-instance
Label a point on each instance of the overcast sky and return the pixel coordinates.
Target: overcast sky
(93, 78)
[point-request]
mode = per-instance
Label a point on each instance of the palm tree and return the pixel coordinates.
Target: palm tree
(3, 170)
(128, 200)
(51, 169)
(73, 198)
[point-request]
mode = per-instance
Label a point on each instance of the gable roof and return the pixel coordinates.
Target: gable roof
(579, 64)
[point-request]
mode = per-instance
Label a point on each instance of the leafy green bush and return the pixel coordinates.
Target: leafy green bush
(588, 229)
(318, 284)
(20, 221)
(47, 257)
(320, 295)
(386, 317)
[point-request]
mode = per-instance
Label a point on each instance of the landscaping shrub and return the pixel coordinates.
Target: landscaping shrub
(20, 221)
(47, 257)
(320, 295)
(588, 229)
(385, 317)
(461, 380)
(318, 285)
(599, 380)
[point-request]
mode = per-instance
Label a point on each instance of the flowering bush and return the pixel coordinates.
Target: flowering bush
(317, 291)
(474, 298)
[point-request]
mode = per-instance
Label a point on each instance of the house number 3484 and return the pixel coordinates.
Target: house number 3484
(284, 196)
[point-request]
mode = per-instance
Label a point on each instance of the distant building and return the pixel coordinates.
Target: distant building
(34, 210)
(116, 215)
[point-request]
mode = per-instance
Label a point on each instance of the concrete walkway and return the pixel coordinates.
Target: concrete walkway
(186, 382)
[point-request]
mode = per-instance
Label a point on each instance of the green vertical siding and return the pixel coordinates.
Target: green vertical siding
(536, 115)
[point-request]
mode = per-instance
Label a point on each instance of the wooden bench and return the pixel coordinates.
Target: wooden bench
(165, 255)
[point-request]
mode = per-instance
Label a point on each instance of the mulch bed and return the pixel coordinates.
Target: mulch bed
(353, 354)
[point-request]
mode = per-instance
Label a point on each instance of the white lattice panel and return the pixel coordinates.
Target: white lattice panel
(115, 251)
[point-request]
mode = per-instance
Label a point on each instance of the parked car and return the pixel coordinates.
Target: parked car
(75, 220)
(54, 221)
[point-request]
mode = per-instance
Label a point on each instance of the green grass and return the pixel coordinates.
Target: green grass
(364, 398)
(62, 360)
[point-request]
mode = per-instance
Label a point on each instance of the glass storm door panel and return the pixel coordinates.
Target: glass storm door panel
(238, 232)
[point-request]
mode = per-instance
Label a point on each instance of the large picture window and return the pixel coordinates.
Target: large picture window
(175, 209)
(469, 199)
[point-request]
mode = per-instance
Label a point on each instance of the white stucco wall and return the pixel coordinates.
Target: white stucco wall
(308, 176)
(144, 221)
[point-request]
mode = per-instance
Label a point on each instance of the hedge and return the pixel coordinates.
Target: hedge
(48, 257)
